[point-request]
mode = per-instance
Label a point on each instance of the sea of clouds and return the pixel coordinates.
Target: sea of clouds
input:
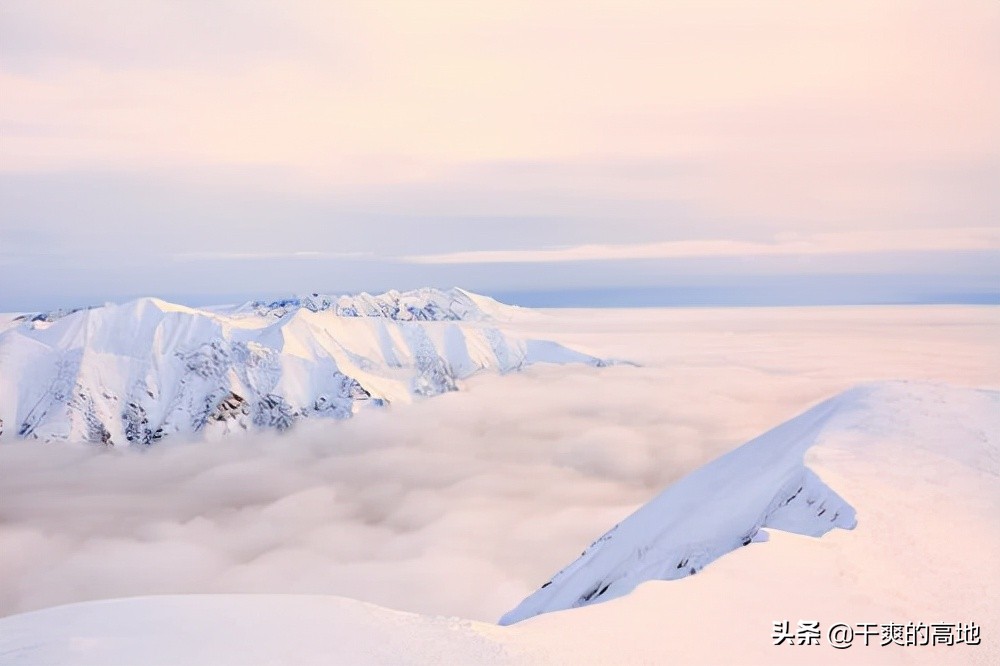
(464, 503)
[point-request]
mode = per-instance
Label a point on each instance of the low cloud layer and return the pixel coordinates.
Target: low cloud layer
(914, 240)
(462, 504)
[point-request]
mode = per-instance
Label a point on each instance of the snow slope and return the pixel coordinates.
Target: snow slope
(148, 369)
(715, 509)
(920, 463)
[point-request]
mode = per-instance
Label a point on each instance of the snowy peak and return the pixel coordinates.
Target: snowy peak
(720, 507)
(425, 304)
(147, 369)
(418, 305)
(765, 483)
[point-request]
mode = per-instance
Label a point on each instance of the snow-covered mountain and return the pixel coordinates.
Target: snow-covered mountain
(418, 305)
(710, 512)
(138, 372)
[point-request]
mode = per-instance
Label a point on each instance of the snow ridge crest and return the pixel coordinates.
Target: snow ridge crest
(148, 369)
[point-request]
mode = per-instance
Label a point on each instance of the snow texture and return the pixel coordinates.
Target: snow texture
(710, 512)
(139, 372)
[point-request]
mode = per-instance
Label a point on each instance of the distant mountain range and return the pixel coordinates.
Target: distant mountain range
(148, 369)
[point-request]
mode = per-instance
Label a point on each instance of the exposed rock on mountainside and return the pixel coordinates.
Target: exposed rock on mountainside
(148, 369)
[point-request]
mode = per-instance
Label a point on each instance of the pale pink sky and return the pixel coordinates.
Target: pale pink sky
(573, 124)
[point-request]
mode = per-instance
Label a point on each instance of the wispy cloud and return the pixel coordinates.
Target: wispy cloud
(266, 256)
(564, 131)
(912, 240)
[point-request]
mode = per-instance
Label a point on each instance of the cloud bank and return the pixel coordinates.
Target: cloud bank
(463, 504)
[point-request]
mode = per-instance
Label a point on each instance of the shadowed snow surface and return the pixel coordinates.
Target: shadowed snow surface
(713, 510)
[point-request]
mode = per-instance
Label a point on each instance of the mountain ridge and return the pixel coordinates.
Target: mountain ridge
(140, 371)
(768, 482)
